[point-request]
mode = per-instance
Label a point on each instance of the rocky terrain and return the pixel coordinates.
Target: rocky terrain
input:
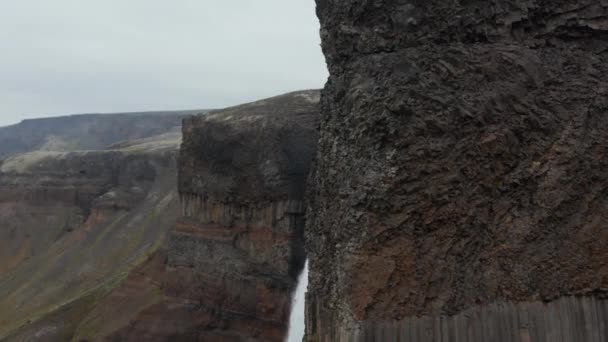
(85, 131)
(460, 191)
(95, 245)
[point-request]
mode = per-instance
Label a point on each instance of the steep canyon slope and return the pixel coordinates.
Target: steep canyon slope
(73, 225)
(460, 187)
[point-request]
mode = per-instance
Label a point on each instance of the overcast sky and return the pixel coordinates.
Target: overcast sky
(80, 56)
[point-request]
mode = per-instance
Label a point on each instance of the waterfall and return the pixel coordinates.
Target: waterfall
(296, 319)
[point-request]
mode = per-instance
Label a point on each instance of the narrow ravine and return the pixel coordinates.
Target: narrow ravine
(296, 319)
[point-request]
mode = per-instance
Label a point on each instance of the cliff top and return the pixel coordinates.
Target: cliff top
(250, 151)
(290, 103)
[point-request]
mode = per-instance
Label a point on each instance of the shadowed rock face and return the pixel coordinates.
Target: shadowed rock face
(460, 192)
(233, 258)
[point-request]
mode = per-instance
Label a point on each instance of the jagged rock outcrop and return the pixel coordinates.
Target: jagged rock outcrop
(234, 256)
(460, 192)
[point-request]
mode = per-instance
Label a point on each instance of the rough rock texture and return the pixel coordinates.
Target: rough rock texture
(461, 169)
(85, 131)
(234, 256)
(72, 226)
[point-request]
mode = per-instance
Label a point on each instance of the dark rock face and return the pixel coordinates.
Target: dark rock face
(234, 256)
(460, 172)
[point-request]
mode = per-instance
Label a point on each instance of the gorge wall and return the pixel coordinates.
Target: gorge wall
(233, 258)
(460, 184)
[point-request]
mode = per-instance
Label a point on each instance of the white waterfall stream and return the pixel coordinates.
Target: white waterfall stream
(296, 318)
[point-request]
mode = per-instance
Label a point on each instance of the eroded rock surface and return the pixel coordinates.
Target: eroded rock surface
(461, 169)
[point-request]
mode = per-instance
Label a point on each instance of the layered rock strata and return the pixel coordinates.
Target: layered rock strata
(233, 258)
(72, 225)
(459, 188)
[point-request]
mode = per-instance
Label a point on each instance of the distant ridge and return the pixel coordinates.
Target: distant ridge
(92, 131)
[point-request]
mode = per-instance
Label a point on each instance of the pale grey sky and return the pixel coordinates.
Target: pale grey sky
(80, 56)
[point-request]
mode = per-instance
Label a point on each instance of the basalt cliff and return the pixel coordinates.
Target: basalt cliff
(232, 258)
(460, 191)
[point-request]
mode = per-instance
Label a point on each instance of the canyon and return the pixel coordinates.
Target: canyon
(136, 241)
(446, 185)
